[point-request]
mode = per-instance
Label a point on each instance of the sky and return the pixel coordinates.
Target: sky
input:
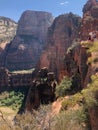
(14, 8)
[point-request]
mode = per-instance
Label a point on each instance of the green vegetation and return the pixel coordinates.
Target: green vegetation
(13, 99)
(76, 99)
(71, 120)
(23, 71)
(63, 88)
(90, 93)
(74, 111)
(43, 119)
(78, 104)
(74, 44)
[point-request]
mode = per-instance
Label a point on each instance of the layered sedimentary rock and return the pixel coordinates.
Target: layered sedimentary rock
(8, 29)
(25, 49)
(15, 79)
(90, 18)
(60, 36)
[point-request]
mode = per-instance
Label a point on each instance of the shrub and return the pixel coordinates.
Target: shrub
(72, 101)
(71, 120)
(90, 93)
(63, 88)
(12, 99)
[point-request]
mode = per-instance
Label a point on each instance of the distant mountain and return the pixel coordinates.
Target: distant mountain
(24, 50)
(7, 29)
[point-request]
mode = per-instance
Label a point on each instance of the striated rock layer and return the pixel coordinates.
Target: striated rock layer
(60, 36)
(25, 49)
(8, 29)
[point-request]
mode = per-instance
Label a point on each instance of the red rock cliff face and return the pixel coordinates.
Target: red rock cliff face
(24, 51)
(60, 36)
(90, 18)
(89, 24)
(79, 53)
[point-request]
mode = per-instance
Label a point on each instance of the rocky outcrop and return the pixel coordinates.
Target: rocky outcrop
(60, 36)
(89, 33)
(77, 53)
(25, 49)
(15, 79)
(4, 78)
(7, 30)
(42, 90)
(90, 19)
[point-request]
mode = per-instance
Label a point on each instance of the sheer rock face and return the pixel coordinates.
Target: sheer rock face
(35, 24)
(89, 24)
(79, 54)
(76, 64)
(8, 29)
(25, 49)
(90, 19)
(60, 36)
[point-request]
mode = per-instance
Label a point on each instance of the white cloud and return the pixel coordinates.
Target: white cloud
(64, 3)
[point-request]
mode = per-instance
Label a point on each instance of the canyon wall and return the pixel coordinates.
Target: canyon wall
(79, 55)
(60, 36)
(11, 80)
(8, 29)
(24, 50)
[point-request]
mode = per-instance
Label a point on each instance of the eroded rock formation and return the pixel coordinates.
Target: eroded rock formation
(16, 79)
(79, 56)
(8, 29)
(90, 19)
(25, 49)
(77, 53)
(42, 90)
(60, 36)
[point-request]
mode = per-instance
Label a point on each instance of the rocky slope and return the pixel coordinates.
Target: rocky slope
(7, 30)
(60, 36)
(25, 49)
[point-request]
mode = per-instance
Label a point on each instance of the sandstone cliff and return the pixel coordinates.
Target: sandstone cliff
(8, 29)
(79, 56)
(25, 49)
(77, 53)
(90, 19)
(60, 36)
